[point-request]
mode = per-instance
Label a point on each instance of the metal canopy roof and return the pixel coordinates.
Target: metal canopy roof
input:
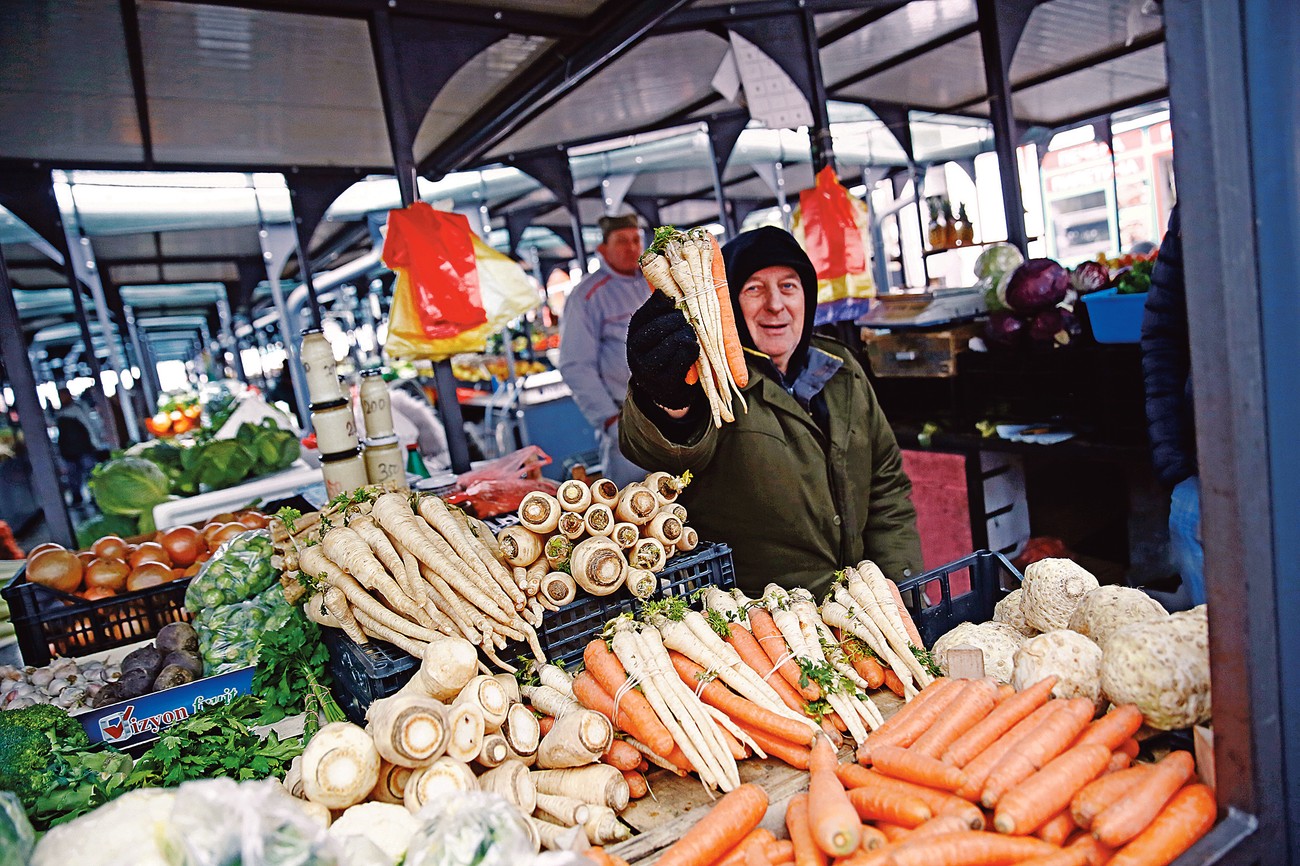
(285, 85)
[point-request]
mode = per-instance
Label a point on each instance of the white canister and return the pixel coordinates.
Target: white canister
(336, 427)
(318, 363)
(384, 462)
(343, 474)
(376, 406)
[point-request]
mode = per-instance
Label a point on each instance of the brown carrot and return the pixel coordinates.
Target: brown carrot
(717, 695)
(879, 803)
(1118, 761)
(872, 838)
(970, 848)
(742, 640)
(908, 765)
(1064, 857)
(1042, 744)
(621, 754)
(832, 818)
(737, 853)
(913, 719)
(729, 336)
(1004, 716)
(1028, 805)
(630, 710)
(1095, 796)
(893, 832)
(1057, 829)
(544, 724)
(1130, 747)
(1187, 817)
(720, 829)
(978, 769)
(938, 802)
(1114, 728)
(1097, 853)
(893, 683)
(1138, 806)
(806, 852)
(636, 784)
(795, 755)
(973, 703)
(1005, 690)
(773, 644)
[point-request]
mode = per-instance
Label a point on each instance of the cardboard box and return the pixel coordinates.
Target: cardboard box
(931, 354)
(138, 720)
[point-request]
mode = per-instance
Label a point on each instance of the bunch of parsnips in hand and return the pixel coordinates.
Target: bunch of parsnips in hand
(687, 267)
(407, 569)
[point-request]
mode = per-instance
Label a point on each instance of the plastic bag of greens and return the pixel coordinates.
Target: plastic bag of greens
(221, 822)
(16, 835)
(239, 570)
(473, 829)
(229, 635)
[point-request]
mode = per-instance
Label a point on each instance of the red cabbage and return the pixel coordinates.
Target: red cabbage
(1090, 277)
(1054, 327)
(1037, 285)
(1005, 329)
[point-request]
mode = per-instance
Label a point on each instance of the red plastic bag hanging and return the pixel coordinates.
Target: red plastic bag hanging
(433, 254)
(832, 236)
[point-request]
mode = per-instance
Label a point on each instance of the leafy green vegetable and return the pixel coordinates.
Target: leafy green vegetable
(927, 661)
(16, 836)
(128, 486)
(27, 736)
(216, 742)
(105, 524)
(292, 674)
(241, 570)
(229, 634)
(79, 781)
(1137, 278)
(289, 516)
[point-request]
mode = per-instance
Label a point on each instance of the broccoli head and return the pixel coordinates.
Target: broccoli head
(27, 740)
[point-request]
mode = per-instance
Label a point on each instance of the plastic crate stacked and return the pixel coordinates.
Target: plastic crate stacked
(49, 623)
(368, 672)
(937, 611)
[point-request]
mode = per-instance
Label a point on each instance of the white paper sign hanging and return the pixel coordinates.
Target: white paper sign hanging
(773, 98)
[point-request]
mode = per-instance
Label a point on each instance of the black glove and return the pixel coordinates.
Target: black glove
(661, 347)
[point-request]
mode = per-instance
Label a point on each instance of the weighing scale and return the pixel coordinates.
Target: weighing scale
(933, 308)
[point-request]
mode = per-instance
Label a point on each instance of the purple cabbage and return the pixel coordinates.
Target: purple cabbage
(1037, 285)
(1005, 329)
(1090, 277)
(1055, 327)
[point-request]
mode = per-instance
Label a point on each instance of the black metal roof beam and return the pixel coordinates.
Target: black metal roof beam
(13, 163)
(159, 260)
(708, 16)
(902, 57)
(1115, 52)
(853, 25)
(524, 22)
(135, 62)
(609, 33)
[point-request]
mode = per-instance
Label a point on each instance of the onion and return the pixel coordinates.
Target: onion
(58, 569)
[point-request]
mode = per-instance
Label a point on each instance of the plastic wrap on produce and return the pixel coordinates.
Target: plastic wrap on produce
(228, 635)
(16, 835)
(240, 569)
(473, 829)
(219, 822)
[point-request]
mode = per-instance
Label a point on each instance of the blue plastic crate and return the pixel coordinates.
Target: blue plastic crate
(1115, 318)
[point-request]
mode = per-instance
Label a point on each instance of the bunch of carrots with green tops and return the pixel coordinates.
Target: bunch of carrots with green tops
(687, 267)
(408, 569)
(1056, 786)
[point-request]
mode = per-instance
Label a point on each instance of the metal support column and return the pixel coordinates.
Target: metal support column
(36, 436)
(278, 243)
(148, 371)
(819, 134)
(723, 132)
(1001, 22)
(551, 169)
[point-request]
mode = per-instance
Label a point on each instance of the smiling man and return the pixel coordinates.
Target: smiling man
(810, 479)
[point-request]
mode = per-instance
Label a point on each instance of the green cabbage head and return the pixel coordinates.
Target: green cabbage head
(128, 485)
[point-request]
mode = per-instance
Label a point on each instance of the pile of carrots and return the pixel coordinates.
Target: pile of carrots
(971, 774)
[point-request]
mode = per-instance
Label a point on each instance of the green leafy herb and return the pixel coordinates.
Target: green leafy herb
(292, 674)
(927, 661)
(78, 781)
(855, 649)
(219, 741)
(527, 673)
(288, 516)
(718, 623)
(819, 709)
(821, 673)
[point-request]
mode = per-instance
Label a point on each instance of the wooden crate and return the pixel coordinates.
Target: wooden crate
(930, 354)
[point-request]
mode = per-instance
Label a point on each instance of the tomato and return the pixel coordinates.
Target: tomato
(192, 411)
(182, 544)
(160, 424)
(57, 569)
(148, 574)
(150, 551)
(107, 573)
(110, 547)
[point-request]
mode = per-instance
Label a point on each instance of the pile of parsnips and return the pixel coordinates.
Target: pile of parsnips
(407, 569)
(449, 731)
(597, 537)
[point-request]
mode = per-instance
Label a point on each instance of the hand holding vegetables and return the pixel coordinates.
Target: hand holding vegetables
(661, 349)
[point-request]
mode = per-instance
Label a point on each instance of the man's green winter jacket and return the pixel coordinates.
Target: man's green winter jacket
(793, 507)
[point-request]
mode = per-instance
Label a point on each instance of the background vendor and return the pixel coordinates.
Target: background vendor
(593, 338)
(810, 479)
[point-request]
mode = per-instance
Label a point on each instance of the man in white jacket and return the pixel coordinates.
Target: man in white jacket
(593, 338)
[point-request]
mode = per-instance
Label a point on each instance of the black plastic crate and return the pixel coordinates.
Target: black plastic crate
(378, 669)
(936, 611)
(49, 623)
(364, 673)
